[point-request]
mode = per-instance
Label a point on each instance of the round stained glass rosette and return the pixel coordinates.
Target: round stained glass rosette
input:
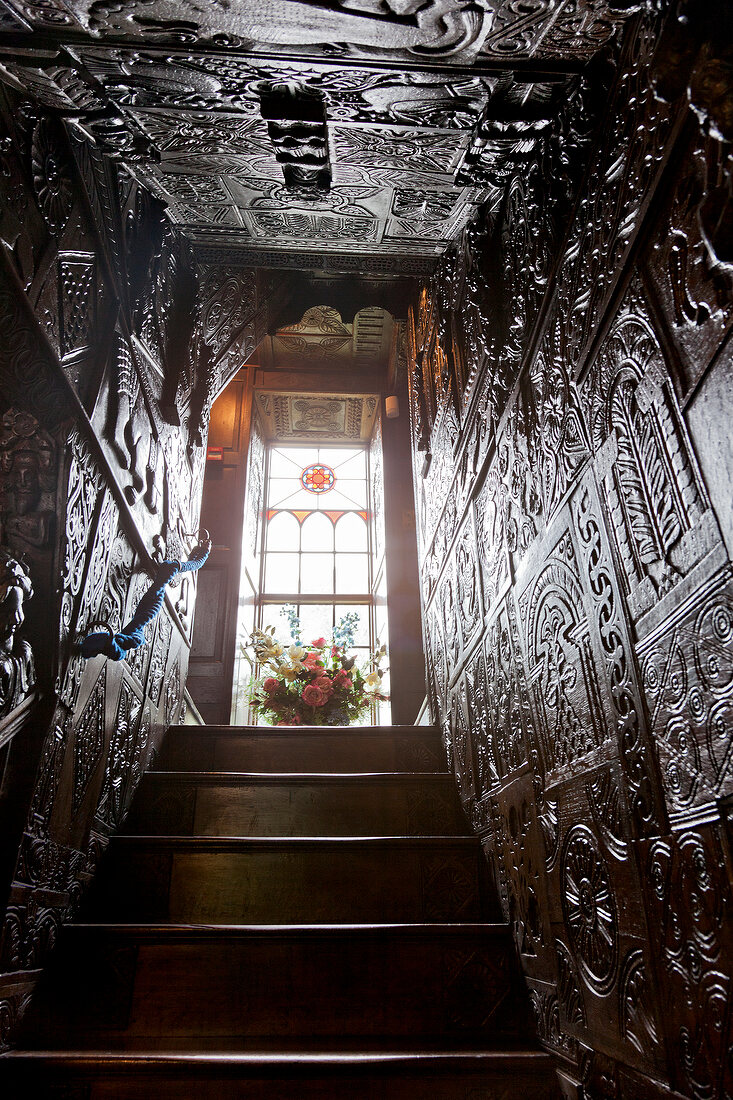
(318, 478)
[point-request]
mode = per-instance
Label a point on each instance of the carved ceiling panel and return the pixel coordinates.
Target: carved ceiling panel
(321, 339)
(310, 417)
(364, 130)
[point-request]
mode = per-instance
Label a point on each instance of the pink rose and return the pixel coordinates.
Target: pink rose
(324, 683)
(271, 685)
(311, 661)
(319, 643)
(313, 696)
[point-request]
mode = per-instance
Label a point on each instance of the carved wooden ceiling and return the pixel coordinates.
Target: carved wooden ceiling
(305, 417)
(352, 135)
(323, 341)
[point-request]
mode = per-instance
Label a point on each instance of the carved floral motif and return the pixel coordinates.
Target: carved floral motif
(589, 908)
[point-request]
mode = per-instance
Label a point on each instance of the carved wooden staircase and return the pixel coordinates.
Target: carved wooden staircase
(291, 914)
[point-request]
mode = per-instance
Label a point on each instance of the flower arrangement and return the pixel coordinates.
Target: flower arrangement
(316, 684)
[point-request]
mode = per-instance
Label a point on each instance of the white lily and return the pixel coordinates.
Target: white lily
(372, 681)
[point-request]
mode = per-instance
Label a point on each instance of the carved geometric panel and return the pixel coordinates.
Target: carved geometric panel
(687, 673)
(519, 853)
(123, 759)
(302, 417)
(561, 662)
(661, 519)
(89, 739)
(78, 290)
(689, 900)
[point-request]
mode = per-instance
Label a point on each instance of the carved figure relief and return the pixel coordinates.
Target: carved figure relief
(693, 283)
(28, 467)
(17, 671)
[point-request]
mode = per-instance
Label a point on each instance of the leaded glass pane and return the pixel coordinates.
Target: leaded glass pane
(283, 532)
(361, 634)
(317, 533)
(352, 573)
(341, 498)
(316, 573)
(351, 533)
(285, 463)
(352, 465)
(281, 572)
(316, 621)
(338, 456)
(290, 494)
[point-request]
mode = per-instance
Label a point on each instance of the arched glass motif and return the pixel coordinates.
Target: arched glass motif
(318, 478)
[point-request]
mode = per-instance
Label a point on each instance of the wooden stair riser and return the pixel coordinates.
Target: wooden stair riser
(291, 882)
(210, 749)
(180, 805)
(119, 984)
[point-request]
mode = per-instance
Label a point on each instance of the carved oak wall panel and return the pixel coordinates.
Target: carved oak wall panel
(103, 418)
(588, 718)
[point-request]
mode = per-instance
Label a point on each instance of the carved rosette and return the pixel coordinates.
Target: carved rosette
(589, 908)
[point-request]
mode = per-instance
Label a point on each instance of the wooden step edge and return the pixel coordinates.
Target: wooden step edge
(296, 731)
(125, 1061)
(231, 779)
(268, 843)
(190, 933)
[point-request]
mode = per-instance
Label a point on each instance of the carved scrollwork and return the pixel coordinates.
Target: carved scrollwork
(624, 693)
(687, 669)
(689, 897)
(521, 866)
(123, 770)
(569, 991)
(638, 1022)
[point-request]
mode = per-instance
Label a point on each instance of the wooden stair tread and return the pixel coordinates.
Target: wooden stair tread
(183, 992)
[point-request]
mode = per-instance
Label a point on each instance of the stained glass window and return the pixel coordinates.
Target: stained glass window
(317, 541)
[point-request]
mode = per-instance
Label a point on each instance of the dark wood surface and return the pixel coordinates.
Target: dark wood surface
(317, 955)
